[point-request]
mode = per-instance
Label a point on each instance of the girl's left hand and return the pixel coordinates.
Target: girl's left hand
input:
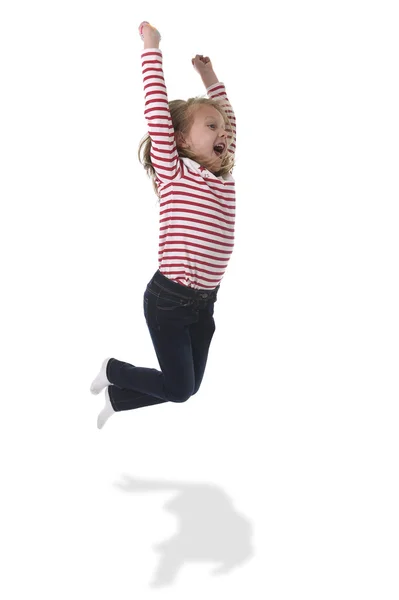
(202, 64)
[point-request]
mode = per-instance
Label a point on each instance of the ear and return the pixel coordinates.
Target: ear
(180, 141)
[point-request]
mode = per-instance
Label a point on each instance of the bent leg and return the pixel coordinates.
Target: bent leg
(135, 387)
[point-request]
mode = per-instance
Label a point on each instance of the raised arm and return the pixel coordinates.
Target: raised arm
(164, 155)
(216, 89)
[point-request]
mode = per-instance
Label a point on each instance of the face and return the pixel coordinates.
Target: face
(207, 130)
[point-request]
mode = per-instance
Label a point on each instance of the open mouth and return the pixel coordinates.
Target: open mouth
(219, 149)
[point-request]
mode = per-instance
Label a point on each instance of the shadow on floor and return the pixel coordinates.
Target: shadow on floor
(209, 529)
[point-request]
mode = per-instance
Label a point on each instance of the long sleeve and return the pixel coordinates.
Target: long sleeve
(164, 155)
(218, 92)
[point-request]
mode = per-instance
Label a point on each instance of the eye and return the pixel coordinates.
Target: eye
(212, 125)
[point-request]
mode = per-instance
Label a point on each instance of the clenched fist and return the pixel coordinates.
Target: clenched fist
(147, 31)
(202, 64)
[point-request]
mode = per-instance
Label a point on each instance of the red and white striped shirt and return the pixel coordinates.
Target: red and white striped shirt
(197, 209)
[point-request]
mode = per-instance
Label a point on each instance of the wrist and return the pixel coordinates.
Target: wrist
(151, 44)
(209, 79)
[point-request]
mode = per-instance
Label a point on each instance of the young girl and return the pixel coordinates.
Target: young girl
(189, 154)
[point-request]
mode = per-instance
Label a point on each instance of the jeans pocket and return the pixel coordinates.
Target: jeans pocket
(169, 302)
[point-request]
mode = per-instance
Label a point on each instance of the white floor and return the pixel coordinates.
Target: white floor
(280, 474)
(279, 479)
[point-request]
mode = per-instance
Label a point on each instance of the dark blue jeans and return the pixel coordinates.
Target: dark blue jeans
(181, 325)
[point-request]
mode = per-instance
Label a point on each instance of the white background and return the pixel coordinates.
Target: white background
(295, 428)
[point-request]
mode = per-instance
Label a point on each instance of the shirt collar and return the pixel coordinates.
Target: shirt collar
(203, 171)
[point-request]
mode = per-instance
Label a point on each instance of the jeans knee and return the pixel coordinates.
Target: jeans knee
(179, 396)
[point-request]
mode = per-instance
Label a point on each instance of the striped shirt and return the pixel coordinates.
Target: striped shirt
(197, 208)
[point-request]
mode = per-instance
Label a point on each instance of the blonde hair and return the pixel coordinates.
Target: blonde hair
(182, 114)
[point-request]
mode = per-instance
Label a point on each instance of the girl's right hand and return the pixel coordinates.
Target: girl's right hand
(148, 32)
